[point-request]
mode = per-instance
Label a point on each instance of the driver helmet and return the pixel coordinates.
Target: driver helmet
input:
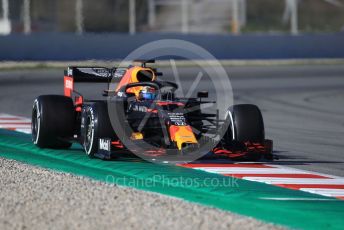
(147, 93)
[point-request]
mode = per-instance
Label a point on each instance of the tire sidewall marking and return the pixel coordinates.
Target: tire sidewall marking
(232, 124)
(38, 120)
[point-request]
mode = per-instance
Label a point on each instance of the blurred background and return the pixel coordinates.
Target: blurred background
(228, 29)
(172, 16)
(106, 31)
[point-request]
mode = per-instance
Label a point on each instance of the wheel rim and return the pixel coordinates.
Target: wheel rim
(89, 133)
(35, 124)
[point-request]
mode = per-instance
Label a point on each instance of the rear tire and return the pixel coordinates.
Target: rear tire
(52, 121)
(95, 125)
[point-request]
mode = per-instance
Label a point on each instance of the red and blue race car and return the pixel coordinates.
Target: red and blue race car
(143, 115)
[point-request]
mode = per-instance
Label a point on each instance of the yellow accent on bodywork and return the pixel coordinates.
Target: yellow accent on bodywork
(136, 136)
(181, 135)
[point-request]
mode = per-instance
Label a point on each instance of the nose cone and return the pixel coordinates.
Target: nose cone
(182, 135)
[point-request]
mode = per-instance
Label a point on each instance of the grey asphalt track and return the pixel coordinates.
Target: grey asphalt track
(303, 106)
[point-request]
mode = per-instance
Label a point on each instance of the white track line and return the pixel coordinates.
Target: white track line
(308, 171)
(303, 181)
(325, 192)
(17, 126)
(27, 131)
(249, 170)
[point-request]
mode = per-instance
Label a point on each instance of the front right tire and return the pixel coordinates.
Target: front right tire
(247, 123)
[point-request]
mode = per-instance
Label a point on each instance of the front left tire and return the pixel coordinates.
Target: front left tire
(95, 124)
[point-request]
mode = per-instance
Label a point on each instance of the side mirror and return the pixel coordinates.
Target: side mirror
(203, 94)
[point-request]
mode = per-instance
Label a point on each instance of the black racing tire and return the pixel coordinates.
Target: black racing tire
(95, 124)
(246, 124)
(52, 124)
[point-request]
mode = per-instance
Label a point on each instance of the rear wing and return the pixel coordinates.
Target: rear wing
(75, 74)
(89, 74)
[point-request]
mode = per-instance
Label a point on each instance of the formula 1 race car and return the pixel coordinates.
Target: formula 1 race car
(143, 114)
